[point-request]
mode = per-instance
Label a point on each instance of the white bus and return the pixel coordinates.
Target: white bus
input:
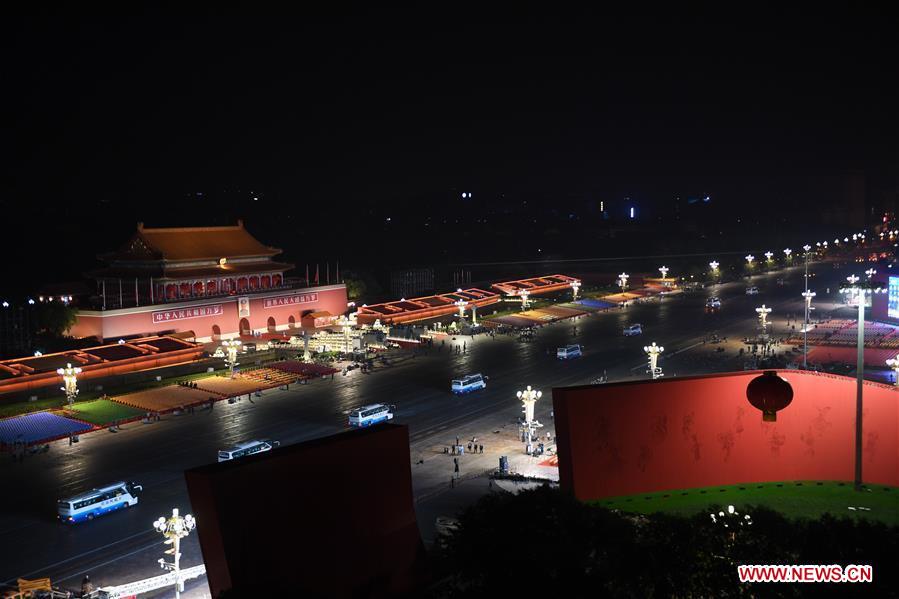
(372, 414)
(568, 352)
(248, 448)
(469, 383)
(97, 502)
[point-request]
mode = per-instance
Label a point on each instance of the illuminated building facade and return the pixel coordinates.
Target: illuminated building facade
(218, 282)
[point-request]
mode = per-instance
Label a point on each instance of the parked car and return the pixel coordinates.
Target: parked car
(634, 329)
(752, 291)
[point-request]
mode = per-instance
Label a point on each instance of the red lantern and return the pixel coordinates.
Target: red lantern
(769, 393)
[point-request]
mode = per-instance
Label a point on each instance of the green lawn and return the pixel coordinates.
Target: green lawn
(794, 499)
(24, 407)
(104, 411)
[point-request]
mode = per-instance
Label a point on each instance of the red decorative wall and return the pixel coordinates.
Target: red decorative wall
(621, 439)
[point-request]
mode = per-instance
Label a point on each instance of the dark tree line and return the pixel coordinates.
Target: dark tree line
(544, 543)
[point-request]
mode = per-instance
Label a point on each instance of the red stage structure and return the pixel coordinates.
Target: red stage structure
(216, 281)
(423, 308)
(536, 285)
(639, 437)
(24, 374)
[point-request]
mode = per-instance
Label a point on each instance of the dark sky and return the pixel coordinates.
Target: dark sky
(124, 119)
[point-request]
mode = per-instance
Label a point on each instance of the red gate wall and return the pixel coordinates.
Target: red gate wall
(620, 439)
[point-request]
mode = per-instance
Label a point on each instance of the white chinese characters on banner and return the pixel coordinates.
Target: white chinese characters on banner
(289, 300)
(185, 313)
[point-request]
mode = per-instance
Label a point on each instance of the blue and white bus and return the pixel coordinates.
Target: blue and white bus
(469, 383)
(371, 414)
(568, 352)
(97, 502)
(248, 448)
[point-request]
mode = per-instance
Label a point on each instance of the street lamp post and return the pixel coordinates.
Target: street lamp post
(528, 398)
(575, 285)
(231, 347)
(768, 256)
(749, 259)
(474, 315)
(461, 305)
(808, 295)
(763, 313)
(174, 529)
(664, 270)
(524, 299)
(653, 351)
(69, 376)
(894, 364)
(622, 281)
(861, 294)
(788, 253)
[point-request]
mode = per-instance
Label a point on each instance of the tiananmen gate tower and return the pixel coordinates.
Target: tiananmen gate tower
(214, 281)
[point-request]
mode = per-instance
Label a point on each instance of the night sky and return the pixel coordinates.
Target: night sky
(328, 119)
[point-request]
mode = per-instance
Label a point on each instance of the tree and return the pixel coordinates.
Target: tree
(55, 318)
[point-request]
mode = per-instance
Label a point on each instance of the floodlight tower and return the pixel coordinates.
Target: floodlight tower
(808, 295)
(860, 293)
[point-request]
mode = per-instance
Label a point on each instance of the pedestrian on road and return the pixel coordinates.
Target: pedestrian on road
(457, 439)
(454, 449)
(480, 449)
(469, 447)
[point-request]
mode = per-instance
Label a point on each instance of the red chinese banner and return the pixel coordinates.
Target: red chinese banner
(289, 300)
(185, 313)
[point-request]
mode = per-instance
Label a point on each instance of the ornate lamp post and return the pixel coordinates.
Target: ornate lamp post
(749, 259)
(622, 280)
(653, 351)
(664, 270)
(860, 293)
(69, 376)
(714, 266)
(174, 529)
(763, 313)
(231, 347)
(768, 256)
(788, 253)
(575, 285)
(894, 364)
(461, 305)
(808, 295)
(870, 272)
(528, 398)
(524, 299)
